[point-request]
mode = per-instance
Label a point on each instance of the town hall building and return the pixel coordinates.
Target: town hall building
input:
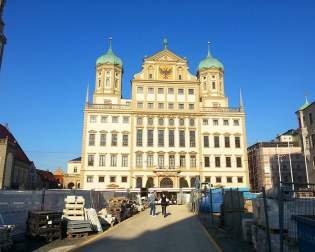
(176, 128)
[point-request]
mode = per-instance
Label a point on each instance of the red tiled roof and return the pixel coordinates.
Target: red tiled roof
(20, 155)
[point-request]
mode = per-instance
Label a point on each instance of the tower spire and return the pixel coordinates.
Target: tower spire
(165, 43)
(110, 44)
(241, 101)
(209, 52)
(87, 94)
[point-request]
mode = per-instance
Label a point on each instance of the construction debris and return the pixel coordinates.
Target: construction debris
(74, 208)
(5, 237)
(91, 215)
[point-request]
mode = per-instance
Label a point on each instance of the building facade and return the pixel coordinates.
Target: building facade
(306, 120)
(270, 162)
(3, 39)
(176, 127)
(71, 179)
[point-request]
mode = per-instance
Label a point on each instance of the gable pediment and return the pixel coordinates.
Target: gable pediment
(165, 56)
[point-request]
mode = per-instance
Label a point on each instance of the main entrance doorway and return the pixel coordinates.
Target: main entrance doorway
(166, 183)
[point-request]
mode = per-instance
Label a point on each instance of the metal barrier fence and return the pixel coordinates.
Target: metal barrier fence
(269, 219)
(14, 205)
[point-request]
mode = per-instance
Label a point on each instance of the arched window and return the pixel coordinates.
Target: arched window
(183, 183)
(139, 182)
(149, 183)
(166, 183)
(192, 182)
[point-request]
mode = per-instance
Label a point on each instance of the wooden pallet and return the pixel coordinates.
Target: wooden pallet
(76, 235)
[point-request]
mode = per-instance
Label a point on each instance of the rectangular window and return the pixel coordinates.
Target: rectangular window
(161, 105)
(229, 179)
(237, 142)
(205, 121)
(160, 161)
(150, 138)
(207, 161)
(150, 105)
(103, 119)
(172, 161)
(192, 138)
(193, 162)
(93, 119)
(218, 179)
(171, 105)
(114, 119)
(160, 91)
(150, 90)
(140, 90)
(217, 161)
(190, 91)
(75, 169)
(124, 179)
(112, 179)
(226, 122)
(124, 161)
(114, 139)
(113, 160)
(228, 162)
(191, 106)
(89, 179)
(90, 159)
(125, 140)
(171, 91)
(310, 117)
(102, 160)
(139, 160)
(236, 122)
(103, 139)
(101, 179)
(216, 141)
(238, 162)
(140, 105)
(215, 122)
(182, 138)
(180, 91)
(227, 142)
(239, 179)
(139, 121)
(150, 121)
(161, 138)
(150, 160)
(91, 139)
(171, 142)
(181, 106)
(125, 119)
(139, 137)
(182, 161)
(208, 179)
(206, 141)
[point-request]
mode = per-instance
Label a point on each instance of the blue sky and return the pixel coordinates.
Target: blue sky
(267, 48)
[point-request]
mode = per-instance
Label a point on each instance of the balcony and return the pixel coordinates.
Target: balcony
(219, 109)
(109, 106)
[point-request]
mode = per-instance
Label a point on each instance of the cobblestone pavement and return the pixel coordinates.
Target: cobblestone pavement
(179, 231)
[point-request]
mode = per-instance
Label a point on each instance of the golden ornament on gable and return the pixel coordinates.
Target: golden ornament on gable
(165, 72)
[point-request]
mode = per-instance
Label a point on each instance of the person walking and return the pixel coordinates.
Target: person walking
(164, 203)
(151, 201)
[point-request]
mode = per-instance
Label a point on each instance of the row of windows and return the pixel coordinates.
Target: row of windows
(180, 106)
(217, 142)
(150, 161)
(171, 121)
(161, 138)
(227, 179)
(218, 162)
(101, 179)
(103, 139)
(180, 91)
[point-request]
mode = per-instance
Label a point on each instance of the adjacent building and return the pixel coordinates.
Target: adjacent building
(176, 127)
(3, 39)
(306, 117)
(16, 170)
(270, 162)
(71, 180)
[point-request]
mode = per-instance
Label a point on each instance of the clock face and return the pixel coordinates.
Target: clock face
(165, 72)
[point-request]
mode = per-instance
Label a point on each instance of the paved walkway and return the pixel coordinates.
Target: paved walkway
(180, 231)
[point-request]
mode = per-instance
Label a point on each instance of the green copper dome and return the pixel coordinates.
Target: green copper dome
(109, 57)
(210, 62)
(305, 105)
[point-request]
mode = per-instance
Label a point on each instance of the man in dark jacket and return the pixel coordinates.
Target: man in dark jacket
(164, 203)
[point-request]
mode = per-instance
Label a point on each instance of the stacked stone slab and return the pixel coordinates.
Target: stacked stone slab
(74, 208)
